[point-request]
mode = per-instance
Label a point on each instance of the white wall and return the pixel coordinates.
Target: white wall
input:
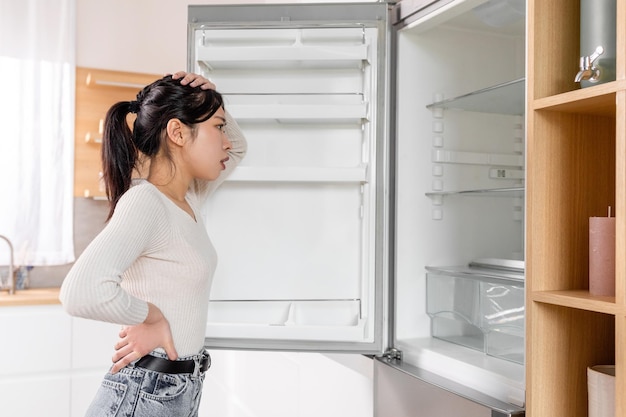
(138, 36)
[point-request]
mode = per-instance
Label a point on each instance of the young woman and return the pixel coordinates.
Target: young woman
(151, 267)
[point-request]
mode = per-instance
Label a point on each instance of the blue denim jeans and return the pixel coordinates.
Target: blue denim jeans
(139, 392)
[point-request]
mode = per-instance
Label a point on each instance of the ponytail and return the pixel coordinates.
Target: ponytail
(156, 104)
(119, 153)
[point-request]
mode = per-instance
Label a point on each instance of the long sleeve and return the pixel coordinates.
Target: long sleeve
(92, 288)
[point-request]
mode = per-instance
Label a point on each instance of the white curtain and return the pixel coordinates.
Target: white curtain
(37, 65)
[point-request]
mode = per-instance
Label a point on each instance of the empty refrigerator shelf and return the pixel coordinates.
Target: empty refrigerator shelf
(490, 192)
(505, 98)
(476, 158)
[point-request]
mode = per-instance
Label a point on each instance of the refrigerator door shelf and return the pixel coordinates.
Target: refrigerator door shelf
(286, 333)
(294, 48)
(296, 56)
(326, 82)
(299, 174)
(337, 320)
(301, 113)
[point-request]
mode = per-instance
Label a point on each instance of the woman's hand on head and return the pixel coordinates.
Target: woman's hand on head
(194, 80)
(141, 339)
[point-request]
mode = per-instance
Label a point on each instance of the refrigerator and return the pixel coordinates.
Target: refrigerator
(380, 207)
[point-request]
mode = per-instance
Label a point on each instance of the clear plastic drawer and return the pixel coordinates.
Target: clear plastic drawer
(478, 307)
(502, 319)
(454, 309)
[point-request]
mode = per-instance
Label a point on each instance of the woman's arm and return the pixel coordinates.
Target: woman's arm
(141, 339)
(236, 137)
(92, 289)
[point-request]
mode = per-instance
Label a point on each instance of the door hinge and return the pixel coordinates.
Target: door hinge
(393, 354)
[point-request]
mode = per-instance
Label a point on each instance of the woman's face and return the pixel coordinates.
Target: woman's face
(205, 155)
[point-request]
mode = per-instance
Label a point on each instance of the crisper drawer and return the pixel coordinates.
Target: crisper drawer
(453, 304)
(477, 307)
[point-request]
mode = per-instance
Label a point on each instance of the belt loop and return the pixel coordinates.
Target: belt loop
(196, 371)
(204, 362)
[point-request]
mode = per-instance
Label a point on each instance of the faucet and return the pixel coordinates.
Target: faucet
(11, 277)
(588, 71)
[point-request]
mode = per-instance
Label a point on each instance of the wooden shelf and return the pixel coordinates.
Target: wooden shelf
(96, 91)
(597, 100)
(579, 299)
(576, 166)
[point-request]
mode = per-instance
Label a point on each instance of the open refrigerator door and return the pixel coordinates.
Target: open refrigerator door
(300, 225)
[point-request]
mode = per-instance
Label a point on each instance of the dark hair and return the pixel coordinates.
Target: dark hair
(156, 104)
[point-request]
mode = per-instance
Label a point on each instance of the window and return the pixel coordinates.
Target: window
(37, 43)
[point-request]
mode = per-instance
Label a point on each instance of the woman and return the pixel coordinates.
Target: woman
(151, 267)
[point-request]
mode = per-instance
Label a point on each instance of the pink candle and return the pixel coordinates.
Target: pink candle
(602, 256)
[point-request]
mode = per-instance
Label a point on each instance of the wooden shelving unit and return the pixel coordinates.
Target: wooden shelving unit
(96, 91)
(576, 167)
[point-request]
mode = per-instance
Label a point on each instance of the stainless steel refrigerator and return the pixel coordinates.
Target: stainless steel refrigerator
(380, 208)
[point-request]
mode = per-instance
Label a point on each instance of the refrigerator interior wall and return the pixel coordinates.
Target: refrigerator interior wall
(442, 152)
(295, 223)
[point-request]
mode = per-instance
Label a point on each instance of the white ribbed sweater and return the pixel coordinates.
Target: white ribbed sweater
(151, 251)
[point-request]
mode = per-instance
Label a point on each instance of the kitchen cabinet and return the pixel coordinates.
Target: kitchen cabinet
(35, 361)
(51, 364)
(91, 347)
(96, 91)
(576, 150)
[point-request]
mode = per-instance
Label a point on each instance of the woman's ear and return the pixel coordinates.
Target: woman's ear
(175, 131)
